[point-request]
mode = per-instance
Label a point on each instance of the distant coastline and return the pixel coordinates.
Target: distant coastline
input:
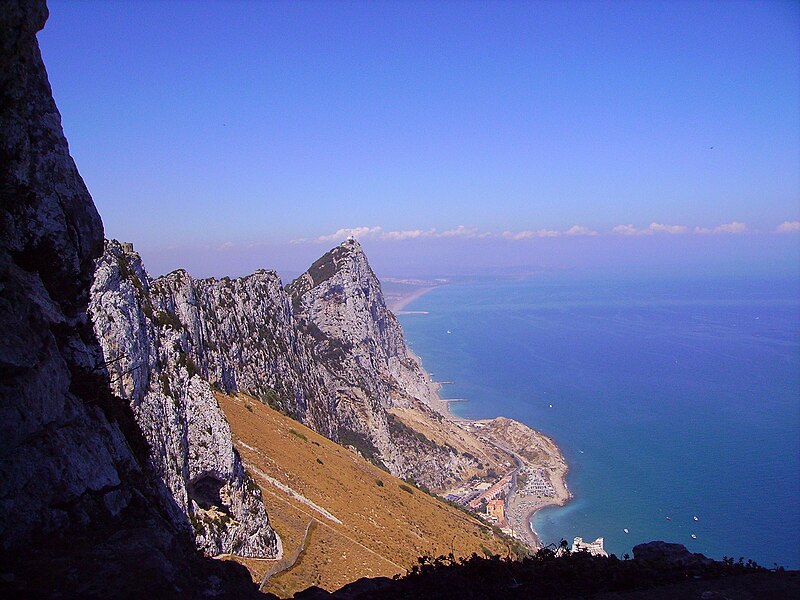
(399, 293)
(397, 305)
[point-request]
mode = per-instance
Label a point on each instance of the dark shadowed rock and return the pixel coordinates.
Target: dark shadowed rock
(81, 512)
(668, 553)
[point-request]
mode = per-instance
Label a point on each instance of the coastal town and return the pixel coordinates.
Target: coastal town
(509, 500)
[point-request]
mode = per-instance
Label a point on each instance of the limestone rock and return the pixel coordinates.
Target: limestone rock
(325, 350)
(60, 454)
(367, 365)
(152, 336)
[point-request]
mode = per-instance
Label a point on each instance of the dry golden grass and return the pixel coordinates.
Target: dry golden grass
(383, 528)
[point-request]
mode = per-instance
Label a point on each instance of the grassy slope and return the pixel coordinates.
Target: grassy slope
(384, 528)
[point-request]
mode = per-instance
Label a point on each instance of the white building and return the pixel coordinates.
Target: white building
(594, 548)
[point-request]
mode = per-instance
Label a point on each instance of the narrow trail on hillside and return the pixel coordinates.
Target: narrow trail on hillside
(288, 564)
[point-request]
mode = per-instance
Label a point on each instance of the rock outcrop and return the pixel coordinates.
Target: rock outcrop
(81, 512)
(368, 368)
(50, 234)
(674, 555)
(163, 341)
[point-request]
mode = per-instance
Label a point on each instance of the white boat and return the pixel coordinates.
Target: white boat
(626, 530)
(694, 537)
(695, 518)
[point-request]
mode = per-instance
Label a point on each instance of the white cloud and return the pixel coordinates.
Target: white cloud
(341, 235)
(579, 230)
(671, 229)
(379, 233)
(734, 227)
(626, 230)
(650, 230)
(788, 227)
(407, 235)
(459, 231)
(527, 234)
(356, 232)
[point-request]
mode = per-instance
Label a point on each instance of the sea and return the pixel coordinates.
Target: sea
(676, 402)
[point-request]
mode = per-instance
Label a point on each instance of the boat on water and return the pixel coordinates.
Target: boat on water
(694, 537)
(695, 518)
(626, 530)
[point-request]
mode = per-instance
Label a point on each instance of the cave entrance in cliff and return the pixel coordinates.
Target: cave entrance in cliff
(205, 490)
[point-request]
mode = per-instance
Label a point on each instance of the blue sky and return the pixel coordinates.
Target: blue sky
(228, 136)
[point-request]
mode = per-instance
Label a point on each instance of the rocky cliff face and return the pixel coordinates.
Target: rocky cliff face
(50, 234)
(80, 510)
(368, 368)
(162, 343)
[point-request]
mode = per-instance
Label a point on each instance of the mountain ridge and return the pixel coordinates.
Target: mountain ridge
(324, 349)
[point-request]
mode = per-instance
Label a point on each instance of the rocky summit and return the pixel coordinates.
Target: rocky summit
(368, 368)
(162, 342)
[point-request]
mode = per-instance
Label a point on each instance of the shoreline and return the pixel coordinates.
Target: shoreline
(519, 510)
(528, 509)
(397, 305)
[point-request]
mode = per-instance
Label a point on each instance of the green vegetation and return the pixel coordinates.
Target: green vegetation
(420, 487)
(270, 398)
(298, 434)
(164, 379)
(250, 484)
(379, 483)
(127, 272)
(185, 360)
(553, 572)
(362, 443)
(407, 488)
(326, 266)
(397, 427)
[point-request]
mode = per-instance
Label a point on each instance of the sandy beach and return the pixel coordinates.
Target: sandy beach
(520, 507)
(397, 304)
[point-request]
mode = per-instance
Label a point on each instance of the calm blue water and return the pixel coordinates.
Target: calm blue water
(669, 398)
